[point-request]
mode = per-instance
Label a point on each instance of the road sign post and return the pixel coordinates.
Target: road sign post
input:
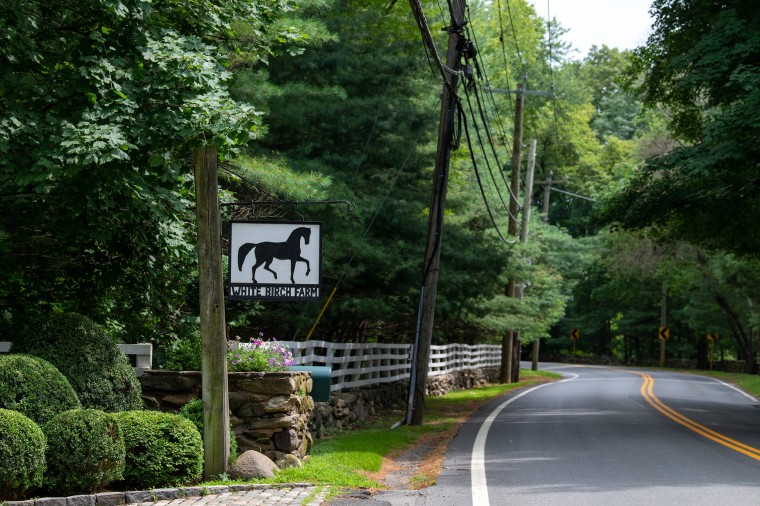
(713, 338)
(575, 334)
(663, 335)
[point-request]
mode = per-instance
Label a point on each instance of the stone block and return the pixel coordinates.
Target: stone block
(238, 399)
(281, 404)
(191, 491)
(289, 460)
(269, 385)
(164, 494)
(169, 381)
(287, 440)
(279, 422)
(252, 464)
(51, 501)
(80, 500)
(138, 496)
(110, 499)
(217, 489)
(178, 400)
(250, 410)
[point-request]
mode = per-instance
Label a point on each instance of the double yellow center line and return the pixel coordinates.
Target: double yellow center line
(647, 391)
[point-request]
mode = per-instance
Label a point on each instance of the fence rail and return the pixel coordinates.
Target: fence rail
(355, 365)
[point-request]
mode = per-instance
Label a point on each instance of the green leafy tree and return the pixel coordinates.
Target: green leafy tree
(100, 105)
(352, 121)
(700, 66)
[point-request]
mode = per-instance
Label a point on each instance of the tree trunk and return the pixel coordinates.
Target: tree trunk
(737, 330)
(703, 361)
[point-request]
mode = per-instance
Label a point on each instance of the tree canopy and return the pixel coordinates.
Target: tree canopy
(100, 104)
(102, 101)
(699, 67)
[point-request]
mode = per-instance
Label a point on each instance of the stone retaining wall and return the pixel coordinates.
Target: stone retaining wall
(272, 413)
(346, 408)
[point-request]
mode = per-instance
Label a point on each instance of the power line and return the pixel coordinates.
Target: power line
(514, 36)
(482, 73)
(504, 54)
(428, 42)
(572, 194)
(490, 137)
(482, 147)
(482, 68)
(480, 183)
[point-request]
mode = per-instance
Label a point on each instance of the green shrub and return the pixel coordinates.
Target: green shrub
(85, 451)
(193, 411)
(97, 369)
(163, 450)
(34, 387)
(22, 454)
(184, 354)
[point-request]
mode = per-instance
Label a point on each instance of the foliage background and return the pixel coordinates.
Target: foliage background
(654, 151)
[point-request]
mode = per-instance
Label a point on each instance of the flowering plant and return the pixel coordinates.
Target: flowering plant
(257, 355)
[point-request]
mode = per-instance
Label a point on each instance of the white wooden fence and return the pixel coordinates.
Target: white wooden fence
(355, 365)
(359, 365)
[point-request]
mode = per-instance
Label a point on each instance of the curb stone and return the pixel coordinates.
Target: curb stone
(80, 500)
(54, 501)
(103, 499)
(149, 496)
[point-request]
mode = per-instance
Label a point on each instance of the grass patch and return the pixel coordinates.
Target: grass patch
(344, 459)
(353, 458)
(750, 383)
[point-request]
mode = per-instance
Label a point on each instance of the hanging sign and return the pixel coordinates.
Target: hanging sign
(275, 261)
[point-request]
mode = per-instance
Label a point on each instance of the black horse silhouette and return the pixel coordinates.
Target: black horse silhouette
(266, 252)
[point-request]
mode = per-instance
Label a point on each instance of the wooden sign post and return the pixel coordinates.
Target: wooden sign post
(216, 425)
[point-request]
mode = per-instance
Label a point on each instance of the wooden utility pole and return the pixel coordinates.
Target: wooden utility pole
(547, 194)
(510, 345)
(216, 435)
(435, 220)
(526, 225)
(511, 338)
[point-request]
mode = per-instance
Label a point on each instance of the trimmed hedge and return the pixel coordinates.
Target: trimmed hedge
(193, 411)
(34, 387)
(85, 451)
(163, 449)
(89, 358)
(22, 454)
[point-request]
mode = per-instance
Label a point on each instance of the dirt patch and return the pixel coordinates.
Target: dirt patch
(417, 466)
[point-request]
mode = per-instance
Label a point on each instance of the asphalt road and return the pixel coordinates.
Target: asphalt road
(606, 436)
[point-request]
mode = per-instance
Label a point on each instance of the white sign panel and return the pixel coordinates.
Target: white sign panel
(275, 261)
